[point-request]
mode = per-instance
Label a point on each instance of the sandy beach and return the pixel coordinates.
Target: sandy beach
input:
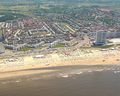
(16, 66)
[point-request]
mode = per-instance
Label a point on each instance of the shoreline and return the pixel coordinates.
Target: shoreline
(12, 67)
(41, 70)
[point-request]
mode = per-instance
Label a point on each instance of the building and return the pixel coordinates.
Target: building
(2, 49)
(113, 35)
(100, 38)
(15, 47)
(36, 45)
(55, 43)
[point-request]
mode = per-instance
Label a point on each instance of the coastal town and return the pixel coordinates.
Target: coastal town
(59, 47)
(91, 32)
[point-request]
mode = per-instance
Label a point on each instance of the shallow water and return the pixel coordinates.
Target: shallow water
(66, 81)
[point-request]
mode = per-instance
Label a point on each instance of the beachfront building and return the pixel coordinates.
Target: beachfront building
(100, 38)
(14, 47)
(55, 43)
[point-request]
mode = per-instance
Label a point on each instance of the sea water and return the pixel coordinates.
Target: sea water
(66, 81)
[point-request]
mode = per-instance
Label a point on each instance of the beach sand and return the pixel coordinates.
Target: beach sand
(19, 66)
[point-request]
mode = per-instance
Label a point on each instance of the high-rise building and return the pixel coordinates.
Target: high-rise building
(100, 38)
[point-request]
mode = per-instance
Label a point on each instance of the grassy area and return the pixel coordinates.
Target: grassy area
(59, 45)
(41, 47)
(10, 16)
(25, 49)
(85, 47)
